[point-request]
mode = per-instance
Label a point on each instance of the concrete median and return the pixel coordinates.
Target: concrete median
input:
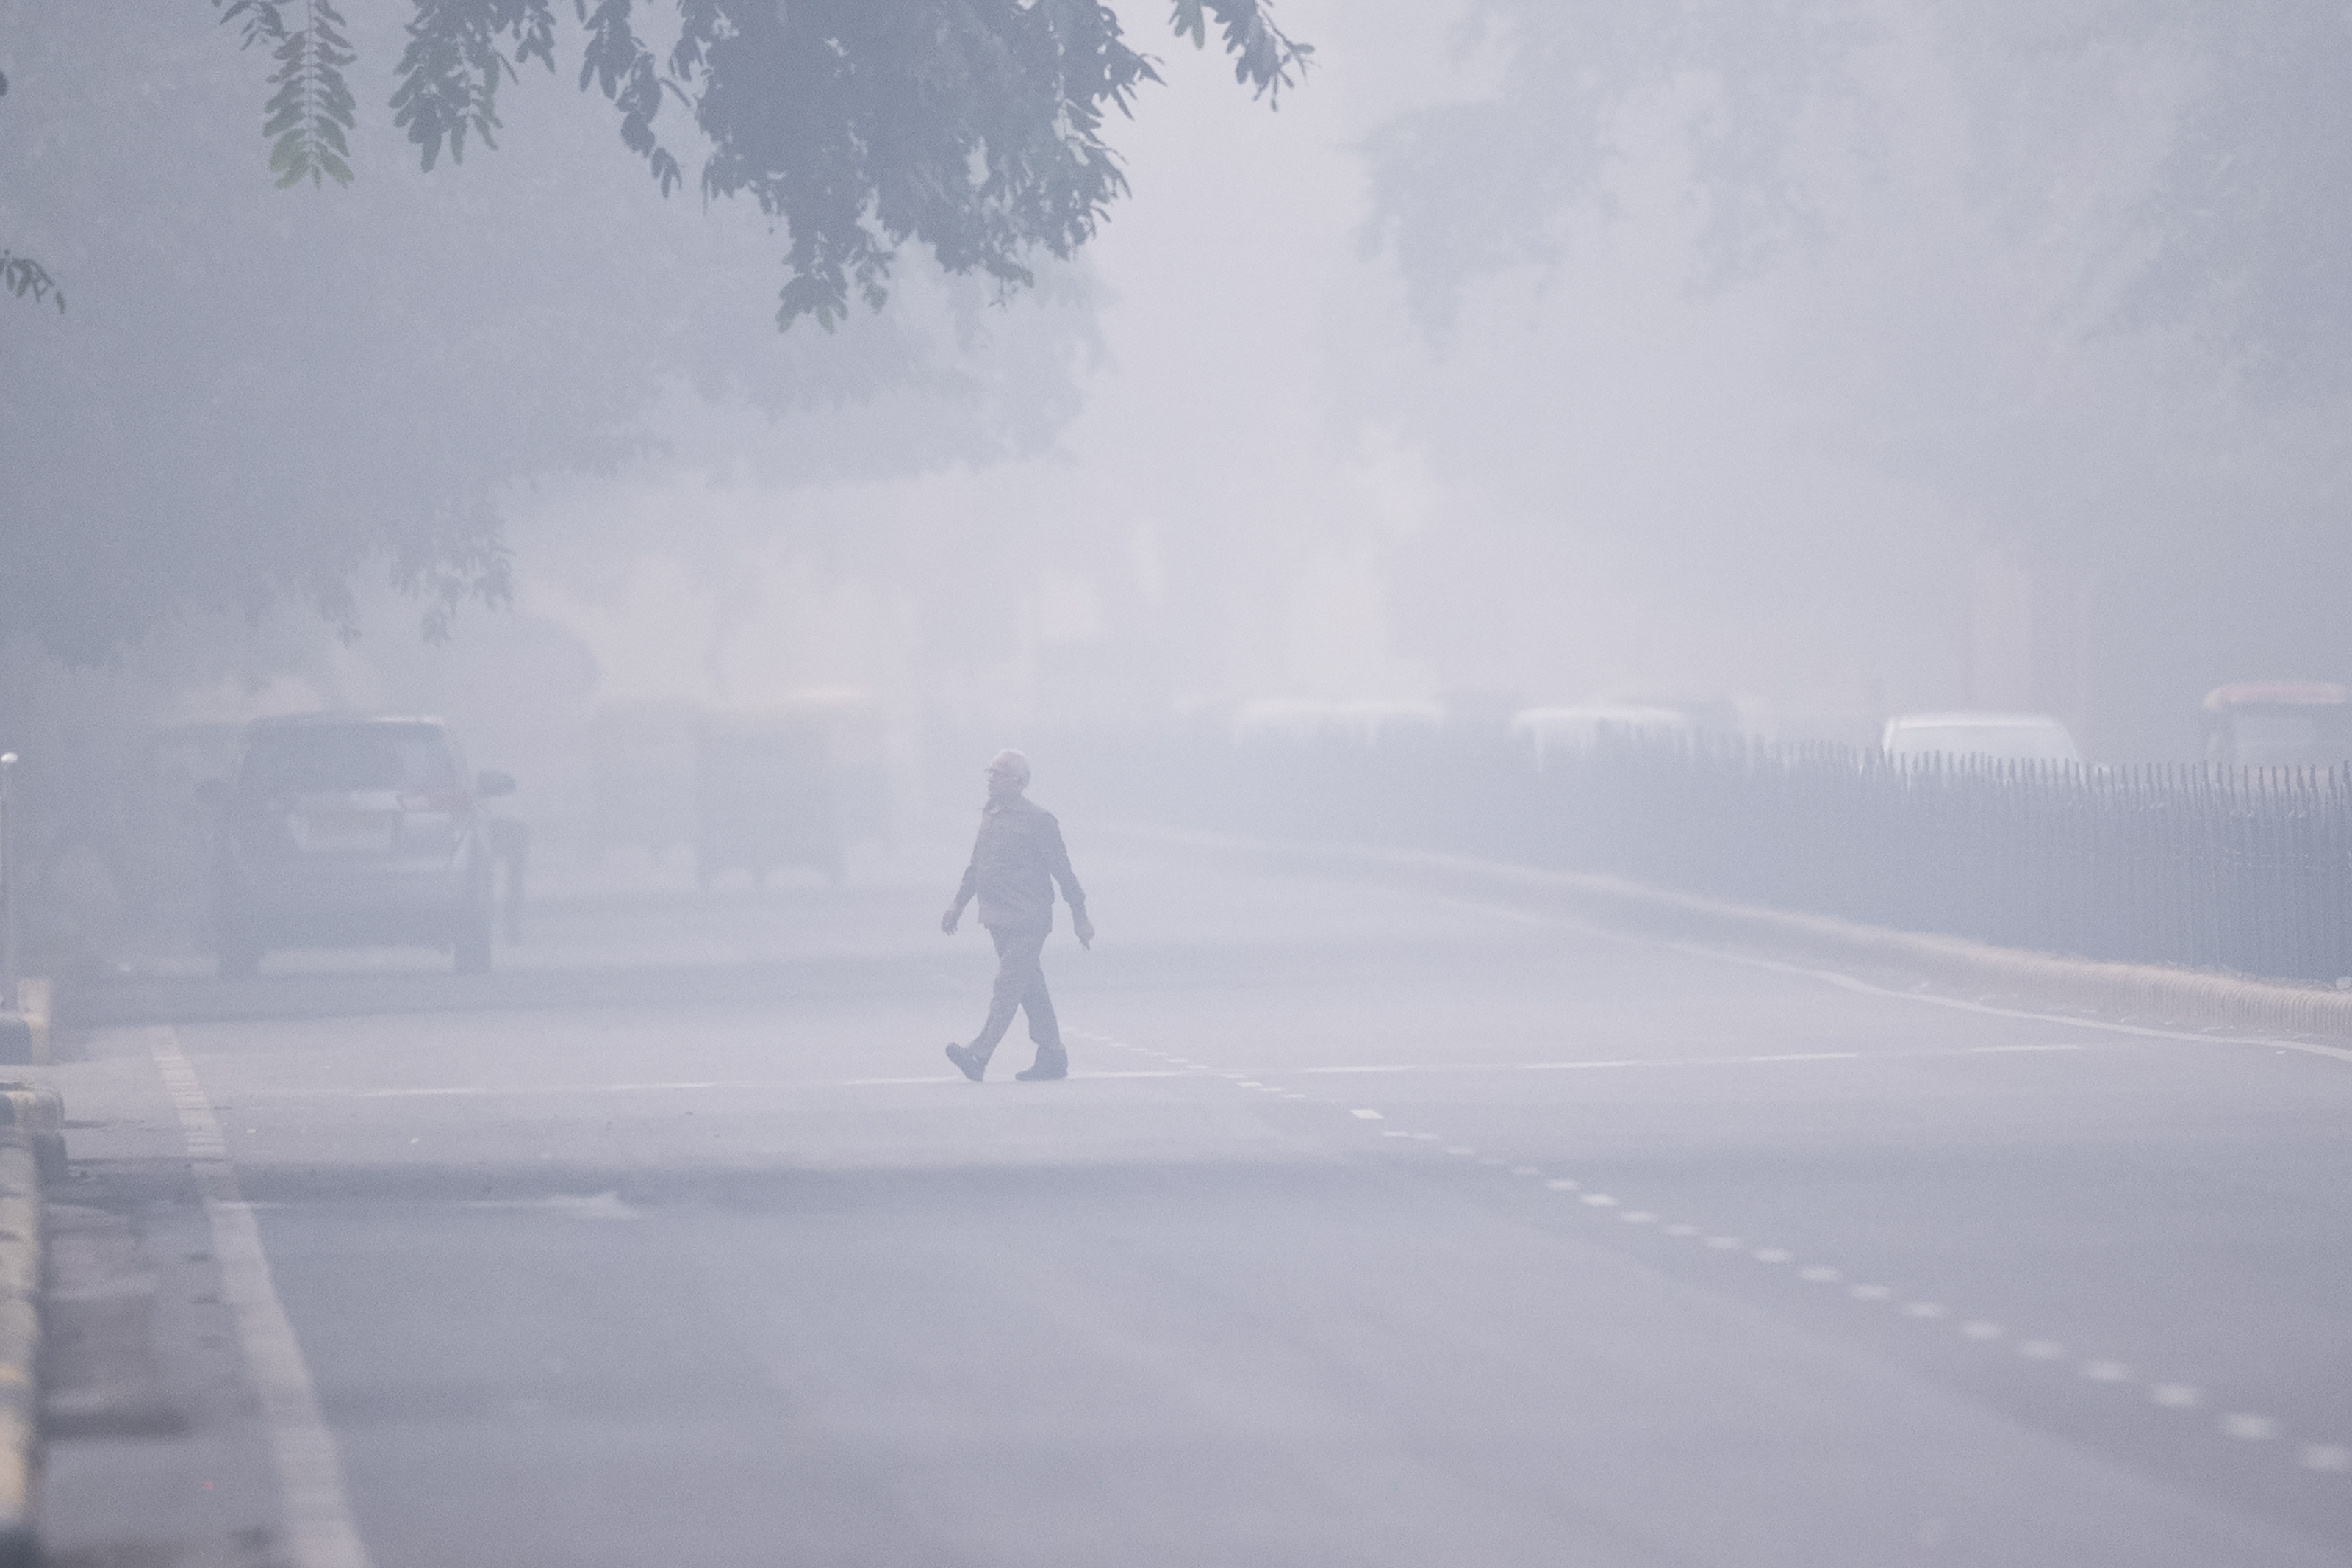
(20, 1343)
(25, 1028)
(2137, 993)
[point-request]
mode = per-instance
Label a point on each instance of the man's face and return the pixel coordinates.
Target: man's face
(1004, 779)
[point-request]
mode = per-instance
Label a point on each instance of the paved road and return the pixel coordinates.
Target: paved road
(1375, 1229)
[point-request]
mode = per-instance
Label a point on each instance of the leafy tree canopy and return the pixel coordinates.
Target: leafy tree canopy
(258, 397)
(21, 274)
(971, 127)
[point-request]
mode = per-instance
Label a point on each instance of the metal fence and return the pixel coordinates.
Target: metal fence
(2233, 868)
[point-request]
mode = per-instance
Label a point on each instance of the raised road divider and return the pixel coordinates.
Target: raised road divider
(25, 1028)
(2137, 993)
(20, 1330)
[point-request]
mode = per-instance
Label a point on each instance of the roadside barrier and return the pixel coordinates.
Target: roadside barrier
(20, 1338)
(25, 1028)
(2229, 869)
(2135, 993)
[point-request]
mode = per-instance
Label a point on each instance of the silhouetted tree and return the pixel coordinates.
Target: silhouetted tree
(21, 274)
(974, 126)
(260, 397)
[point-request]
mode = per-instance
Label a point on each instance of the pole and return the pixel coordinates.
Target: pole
(7, 881)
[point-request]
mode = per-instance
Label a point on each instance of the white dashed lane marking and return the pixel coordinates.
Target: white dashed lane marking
(2244, 1426)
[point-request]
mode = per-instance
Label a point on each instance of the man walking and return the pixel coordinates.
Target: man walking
(1015, 865)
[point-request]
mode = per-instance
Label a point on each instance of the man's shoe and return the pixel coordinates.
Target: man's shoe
(1048, 1066)
(971, 1066)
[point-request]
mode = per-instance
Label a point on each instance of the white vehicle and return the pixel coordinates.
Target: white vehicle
(2000, 736)
(2279, 724)
(1298, 722)
(1572, 729)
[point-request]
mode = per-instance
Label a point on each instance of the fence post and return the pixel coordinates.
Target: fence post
(7, 881)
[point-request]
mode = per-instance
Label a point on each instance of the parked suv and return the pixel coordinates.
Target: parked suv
(349, 832)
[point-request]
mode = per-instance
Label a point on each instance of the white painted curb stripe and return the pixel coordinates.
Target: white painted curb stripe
(319, 1532)
(2176, 995)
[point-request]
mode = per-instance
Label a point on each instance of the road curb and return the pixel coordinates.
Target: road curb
(25, 1031)
(40, 1116)
(2142, 993)
(20, 1343)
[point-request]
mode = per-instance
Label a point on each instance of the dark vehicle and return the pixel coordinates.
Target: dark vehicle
(341, 832)
(2279, 724)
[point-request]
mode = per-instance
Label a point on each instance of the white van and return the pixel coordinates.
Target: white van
(2000, 736)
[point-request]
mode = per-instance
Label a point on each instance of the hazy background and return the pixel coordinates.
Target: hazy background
(1830, 359)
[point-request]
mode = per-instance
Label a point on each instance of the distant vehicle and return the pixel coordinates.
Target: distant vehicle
(1282, 718)
(2279, 724)
(1568, 729)
(763, 794)
(2000, 736)
(348, 831)
(641, 766)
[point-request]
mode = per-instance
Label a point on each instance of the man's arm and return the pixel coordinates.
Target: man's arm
(964, 894)
(1057, 861)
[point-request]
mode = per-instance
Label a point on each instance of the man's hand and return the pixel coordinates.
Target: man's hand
(948, 921)
(1085, 928)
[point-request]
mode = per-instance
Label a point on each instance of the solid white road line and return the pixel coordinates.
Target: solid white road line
(1872, 1057)
(1849, 983)
(1243, 1077)
(317, 1518)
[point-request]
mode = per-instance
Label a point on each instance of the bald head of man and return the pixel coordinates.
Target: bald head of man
(1008, 775)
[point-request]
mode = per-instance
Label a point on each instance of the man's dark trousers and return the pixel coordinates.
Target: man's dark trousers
(1020, 983)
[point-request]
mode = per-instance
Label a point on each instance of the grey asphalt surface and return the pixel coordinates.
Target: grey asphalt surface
(1374, 1228)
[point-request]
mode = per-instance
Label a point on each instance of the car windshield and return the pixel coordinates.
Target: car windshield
(320, 757)
(2002, 742)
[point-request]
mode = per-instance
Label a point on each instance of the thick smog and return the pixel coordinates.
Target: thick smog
(1082, 783)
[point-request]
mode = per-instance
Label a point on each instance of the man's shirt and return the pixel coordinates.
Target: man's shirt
(1015, 862)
